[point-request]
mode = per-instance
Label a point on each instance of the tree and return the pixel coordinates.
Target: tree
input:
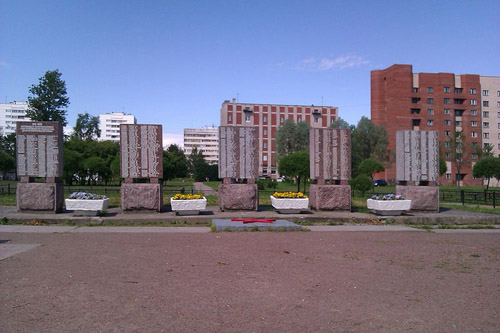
(485, 151)
(72, 164)
(487, 168)
(361, 183)
(442, 166)
(341, 123)
(291, 138)
(457, 147)
(369, 166)
(175, 163)
(48, 101)
(8, 144)
(86, 127)
(96, 167)
(7, 162)
(295, 165)
(369, 141)
(198, 167)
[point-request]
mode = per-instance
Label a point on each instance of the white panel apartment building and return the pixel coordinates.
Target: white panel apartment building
(490, 111)
(10, 114)
(109, 124)
(204, 139)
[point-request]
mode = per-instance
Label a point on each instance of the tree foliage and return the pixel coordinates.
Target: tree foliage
(8, 144)
(291, 137)
(49, 101)
(442, 166)
(361, 183)
(86, 127)
(488, 168)
(175, 163)
(7, 162)
(295, 165)
(369, 141)
(200, 169)
(341, 123)
(369, 166)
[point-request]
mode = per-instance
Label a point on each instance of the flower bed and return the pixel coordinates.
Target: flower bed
(86, 204)
(185, 204)
(388, 204)
(290, 202)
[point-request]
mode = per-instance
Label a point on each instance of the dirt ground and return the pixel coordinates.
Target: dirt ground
(253, 281)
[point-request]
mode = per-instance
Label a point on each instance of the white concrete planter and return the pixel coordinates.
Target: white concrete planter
(188, 207)
(86, 207)
(290, 206)
(388, 207)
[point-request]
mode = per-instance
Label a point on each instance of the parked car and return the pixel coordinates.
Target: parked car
(379, 182)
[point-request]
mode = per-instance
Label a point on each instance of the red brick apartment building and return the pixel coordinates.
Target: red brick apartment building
(403, 100)
(268, 118)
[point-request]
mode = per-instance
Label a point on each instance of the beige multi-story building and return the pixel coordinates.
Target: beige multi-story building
(10, 114)
(490, 111)
(109, 124)
(204, 139)
(268, 118)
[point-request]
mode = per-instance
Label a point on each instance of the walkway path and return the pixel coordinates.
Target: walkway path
(207, 190)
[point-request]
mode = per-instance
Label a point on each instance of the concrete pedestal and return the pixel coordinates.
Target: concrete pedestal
(423, 198)
(238, 197)
(40, 197)
(330, 197)
(141, 197)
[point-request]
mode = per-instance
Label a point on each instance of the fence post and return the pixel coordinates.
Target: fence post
(462, 197)
(8, 189)
(494, 197)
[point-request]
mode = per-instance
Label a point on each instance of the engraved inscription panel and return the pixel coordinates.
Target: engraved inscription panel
(330, 153)
(417, 156)
(141, 153)
(39, 149)
(238, 152)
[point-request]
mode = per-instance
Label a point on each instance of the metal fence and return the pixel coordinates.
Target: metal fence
(489, 198)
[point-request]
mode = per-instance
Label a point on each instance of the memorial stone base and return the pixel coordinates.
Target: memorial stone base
(40, 197)
(238, 197)
(137, 197)
(423, 198)
(330, 197)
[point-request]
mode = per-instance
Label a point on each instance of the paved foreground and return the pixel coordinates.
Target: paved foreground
(253, 281)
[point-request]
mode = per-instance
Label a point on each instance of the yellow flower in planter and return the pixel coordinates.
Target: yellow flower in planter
(289, 195)
(179, 196)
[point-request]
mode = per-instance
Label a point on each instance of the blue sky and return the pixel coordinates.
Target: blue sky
(175, 62)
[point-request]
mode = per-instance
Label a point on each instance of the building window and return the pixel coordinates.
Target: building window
(299, 119)
(486, 92)
(229, 117)
(474, 145)
(447, 122)
(430, 100)
(264, 158)
(473, 112)
(264, 118)
(282, 119)
(499, 146)
(474, 156)
(498, 104)
(415, 111)
(430, 112)
(486, 103)
(458, 90)
(473, 134)
(264, 145)
(447, 144)
(430, 89)
(498, 134)
(473, 102)
(430, 122)
(472, 91)
(448, 176)
(316, 119)
(486, 114)
(486, 145)
(473, 123)
(447, 155)
(446, 111)
(498, 93)
(486, 135)
(415, 100)
(264, 131)
(458, 123)
(446, 89)
(447, 133)
(486, 125)
(247, 118)
(415, 90)
(446, 101)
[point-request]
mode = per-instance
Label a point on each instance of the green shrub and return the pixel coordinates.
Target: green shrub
(361, 183)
